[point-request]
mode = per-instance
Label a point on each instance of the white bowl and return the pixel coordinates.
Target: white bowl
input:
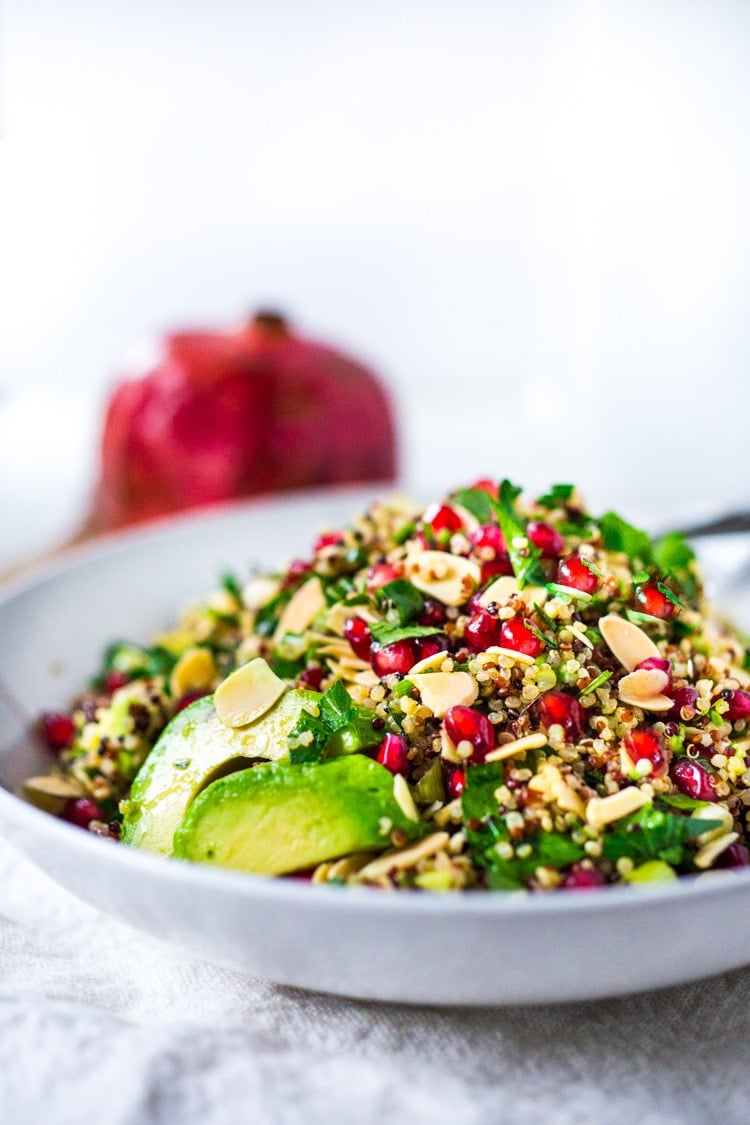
(431, 949)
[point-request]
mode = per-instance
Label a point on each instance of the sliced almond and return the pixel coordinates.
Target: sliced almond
(302, 608)
(339, 614)
(51, 791)
(366, 678)
(449, 579)
(248, 693)
(259, 591)
(403, 798)
(644, 688)
(517, 657)
(517, 746)
(194, 671)
(506, 586)
(430, 664)
(442, 690)
(601, 811)
(706, 855)
(626, 641)
(408, 857)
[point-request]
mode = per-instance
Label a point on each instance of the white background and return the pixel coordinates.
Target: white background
(532, 217)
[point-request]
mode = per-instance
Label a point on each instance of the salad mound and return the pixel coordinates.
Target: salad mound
(487, 693)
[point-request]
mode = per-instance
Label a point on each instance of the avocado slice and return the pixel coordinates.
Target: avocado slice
(191, 752)
(281, 817)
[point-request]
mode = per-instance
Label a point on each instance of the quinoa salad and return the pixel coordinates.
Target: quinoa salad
(489, 693)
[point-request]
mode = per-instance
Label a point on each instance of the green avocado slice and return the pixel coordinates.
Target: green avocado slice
(192, 751)
(281, 817)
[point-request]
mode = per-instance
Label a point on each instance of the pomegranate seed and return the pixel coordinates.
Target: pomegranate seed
(646, 745)
(495, 568)
(441, 517)
(516, 634)
(456, 783)
(651, 600)
(329, 539)
(357, 633)
(58, 730)
(381, 574)
(81, 811)
(736, 855)
(428, 646)
(486, 485)
(115, 680)
(546, 539)
(683, 697)
(392, 753)
(573, 572)
(583, 878)
(312, 677)
(739, 705)
(397, 657)
(464, 724)
(432, 614)
(557, 708)
(297, 569)
(692, 779)
(188, 698)
(482, 631)
(488, 537)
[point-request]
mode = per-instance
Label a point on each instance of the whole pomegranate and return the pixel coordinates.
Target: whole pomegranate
(230, 414)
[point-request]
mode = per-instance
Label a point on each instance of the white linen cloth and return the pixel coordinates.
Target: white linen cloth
(101, 1024)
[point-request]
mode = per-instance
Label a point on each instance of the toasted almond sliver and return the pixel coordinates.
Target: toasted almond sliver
(52, 785)
(194, 670)
(706, 855)
(519, 657)
(408, 857)
(304, 605)
(448, 578)
(626, 641)
(248, 693)
(603, 810)
(259, 591)
(518, 746)
(644, 688)
(430, 664)
(404, 799)
(442, 690)
(367, 678)
(506, 586)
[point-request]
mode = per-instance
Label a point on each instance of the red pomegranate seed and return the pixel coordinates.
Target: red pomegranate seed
(115, 680)
(573, 572)
(683, 697)
(357, 633)
(392, 753)
(381, 574)
(559, 708)
(646, 744)
(464, 724)
(81, 811)
(736, 855)
(297, 569)
(188, 698)
(486, 485)
(58, 730)
(429, 646)
(456, 783)
(516, 634)
(651, 600)
(397, 657)
(328, 539)
(692, 779)
(546, 539)
(739, 705)
(312, 677)
(495, 568)
(482, 630)
(441, 517)
(488, 537)
(583, 878)
(432, 614)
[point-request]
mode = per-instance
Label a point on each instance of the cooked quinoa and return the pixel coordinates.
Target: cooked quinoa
(551, 691)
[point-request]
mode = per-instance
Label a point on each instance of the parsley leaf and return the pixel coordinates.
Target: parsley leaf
(476, 501)
(557, 497)
(384, 633)
(232, 585)
(619, 535)
(406, 599)
(340, 727)
(653, 833)
(524, 560)
(548, 849)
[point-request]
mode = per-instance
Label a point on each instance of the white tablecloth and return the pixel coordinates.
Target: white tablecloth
(101, 1024)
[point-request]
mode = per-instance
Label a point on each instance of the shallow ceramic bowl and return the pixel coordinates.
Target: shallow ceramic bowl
(420, 948)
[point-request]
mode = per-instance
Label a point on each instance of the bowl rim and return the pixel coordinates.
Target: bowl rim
(291, 890)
